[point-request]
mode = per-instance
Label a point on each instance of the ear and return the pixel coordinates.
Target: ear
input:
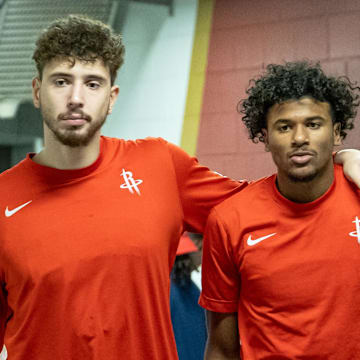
(266, 139)
(36, 85)
(336, 132)
(114, 92)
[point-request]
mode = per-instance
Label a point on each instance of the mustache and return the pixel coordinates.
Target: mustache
(301, 152)
(74, 115)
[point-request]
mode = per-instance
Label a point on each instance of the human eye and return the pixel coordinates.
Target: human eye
(60, 82)
(314, 125)
(283, 128)
(93, 85)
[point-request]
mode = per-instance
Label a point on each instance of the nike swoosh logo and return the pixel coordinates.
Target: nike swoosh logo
(252, 242)
(9, 213)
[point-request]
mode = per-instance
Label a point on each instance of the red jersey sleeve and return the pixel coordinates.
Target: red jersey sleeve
(220, 277)
(200, 189)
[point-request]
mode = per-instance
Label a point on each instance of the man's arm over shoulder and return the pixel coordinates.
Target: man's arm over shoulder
(223, 337)
(200, 189)
(350, 159)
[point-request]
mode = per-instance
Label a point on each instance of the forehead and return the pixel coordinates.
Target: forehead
(300, 108)
(76, 67)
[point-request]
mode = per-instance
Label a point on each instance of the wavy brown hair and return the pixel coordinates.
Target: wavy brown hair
(80, 37)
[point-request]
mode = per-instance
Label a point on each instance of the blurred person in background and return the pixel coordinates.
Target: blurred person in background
(188, 318)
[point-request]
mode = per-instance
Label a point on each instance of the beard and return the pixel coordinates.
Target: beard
(302, 178)
(73, 136)
(307, 177)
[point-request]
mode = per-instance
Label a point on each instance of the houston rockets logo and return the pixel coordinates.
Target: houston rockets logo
(130, 183)
(356, 233)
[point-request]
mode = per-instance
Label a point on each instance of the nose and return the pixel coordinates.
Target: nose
(75, 99)
(300, 135)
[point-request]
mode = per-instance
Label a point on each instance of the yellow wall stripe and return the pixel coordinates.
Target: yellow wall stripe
(197, 76)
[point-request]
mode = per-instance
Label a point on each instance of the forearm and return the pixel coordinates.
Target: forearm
(223, 337)
(213, 352)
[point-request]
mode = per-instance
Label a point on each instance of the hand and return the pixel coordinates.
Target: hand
(350, 159)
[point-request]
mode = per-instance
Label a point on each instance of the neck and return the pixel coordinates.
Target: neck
(64, 157)
(304, 192)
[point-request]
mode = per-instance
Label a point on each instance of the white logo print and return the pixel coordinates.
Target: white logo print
(130, 183)
(9, 213)
(357, 232)
(4, 354)
(252, 242)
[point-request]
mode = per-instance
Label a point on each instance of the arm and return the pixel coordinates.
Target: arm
(200, 189)
(350, 159)
(223, 337)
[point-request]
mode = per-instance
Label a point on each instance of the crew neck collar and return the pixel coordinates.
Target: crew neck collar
(59, 175)
(298, 207)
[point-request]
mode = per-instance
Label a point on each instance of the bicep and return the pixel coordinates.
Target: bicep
(200, 189)
(223, 336)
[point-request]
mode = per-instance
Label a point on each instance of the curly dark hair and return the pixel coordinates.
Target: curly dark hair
(183, 267)
(80, 37)
(294, 80)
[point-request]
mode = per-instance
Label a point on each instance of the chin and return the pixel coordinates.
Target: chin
(302, 177)
(74, 140)
(78, 136)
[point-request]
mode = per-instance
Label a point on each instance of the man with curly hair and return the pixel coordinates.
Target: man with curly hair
(281, 259)
(90, 224)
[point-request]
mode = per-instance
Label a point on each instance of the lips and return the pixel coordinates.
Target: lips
(301, 157)
(75, 122)
(75, 119)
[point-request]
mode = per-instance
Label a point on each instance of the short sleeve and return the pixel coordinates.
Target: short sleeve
(200, 189)
(220, 277)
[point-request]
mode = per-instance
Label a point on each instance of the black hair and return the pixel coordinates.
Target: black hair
(295, 80)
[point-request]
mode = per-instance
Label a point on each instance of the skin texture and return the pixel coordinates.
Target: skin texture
(350, 158)
(300, 135)
(74, 99)
(223, 337)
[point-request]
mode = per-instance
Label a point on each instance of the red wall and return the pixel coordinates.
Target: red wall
(248, 34)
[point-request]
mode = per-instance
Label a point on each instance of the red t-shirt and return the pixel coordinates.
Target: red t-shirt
(85, 255)
(291, 271)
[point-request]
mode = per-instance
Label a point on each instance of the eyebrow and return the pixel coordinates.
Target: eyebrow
(59, 74)
(310, 118)
(88, 77)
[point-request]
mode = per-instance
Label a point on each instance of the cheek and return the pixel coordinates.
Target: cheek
(45, 99)
(279, 151)
(326, 141)
(278, 146)
(103, 106)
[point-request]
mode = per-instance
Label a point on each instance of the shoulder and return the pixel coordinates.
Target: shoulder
(136, 143)
(254, 192)
(13, 173)
(13, 181)
(253, 197)
(147, 145)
